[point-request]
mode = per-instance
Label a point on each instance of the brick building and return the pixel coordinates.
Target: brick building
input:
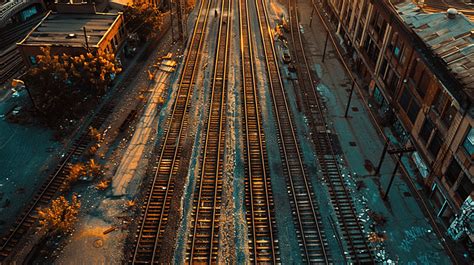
(74, 31)
(419, 70)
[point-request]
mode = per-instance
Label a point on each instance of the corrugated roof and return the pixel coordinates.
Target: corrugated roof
(436, 6)
(67, 29)
(451, 39)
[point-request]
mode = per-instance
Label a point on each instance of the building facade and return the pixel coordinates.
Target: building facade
(74, 31)
(418, 68)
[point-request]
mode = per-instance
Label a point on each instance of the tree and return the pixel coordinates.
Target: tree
(75, 172)
(48, 81)
(60, 215)
(143, 19)
(61, 82)
(95, 71)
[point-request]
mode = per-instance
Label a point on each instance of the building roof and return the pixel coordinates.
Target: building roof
(436, 6)
(67, 29)
(450, 39)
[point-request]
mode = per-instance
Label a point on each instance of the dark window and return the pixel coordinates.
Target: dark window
(468, 143)
(405, 99)
(423, 84)
(465, 188)
(452, 172)
(419, 72)
(409, 104)
(384, 68)
(359, 33)
(439, 101)
(448, 115)
(394, 82)
(393, 41)
(413, 69)
(426, 130)
(372, 50)
(413, 111)
(435, 144)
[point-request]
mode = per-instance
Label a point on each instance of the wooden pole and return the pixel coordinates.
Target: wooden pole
(350, 98)
(325, 45)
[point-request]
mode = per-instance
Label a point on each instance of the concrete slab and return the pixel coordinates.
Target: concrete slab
(141, 137)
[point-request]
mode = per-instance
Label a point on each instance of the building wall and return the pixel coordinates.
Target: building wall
(400, 80)
(114, 37)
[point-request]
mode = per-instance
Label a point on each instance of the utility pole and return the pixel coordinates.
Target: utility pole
(325, 45)
(382, 157)
(397, 165)
(350, 99)
(85, 37)
(399, 152)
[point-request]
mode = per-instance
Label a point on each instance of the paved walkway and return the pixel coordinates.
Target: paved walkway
(141, 137)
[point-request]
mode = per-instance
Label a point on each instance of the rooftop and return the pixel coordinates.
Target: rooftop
(67, 29)
(450, 39)
(435, 6)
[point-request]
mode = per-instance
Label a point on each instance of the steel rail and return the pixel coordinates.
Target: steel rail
(262, 245)
(209, 191)
(353, 234)
(185, 89)
(287, 132)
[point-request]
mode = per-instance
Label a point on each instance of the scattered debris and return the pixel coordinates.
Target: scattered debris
(98, 243)
(377, 237)
(103, 184)
(110, 230)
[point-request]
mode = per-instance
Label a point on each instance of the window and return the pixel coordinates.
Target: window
(33, 60)
(409, 104)
(413, 68)
(468, 143)
(396, 46)
(423, 84)
(435, 144)
(448, 115)
(465, 188)
(393, 83)
(413, 110)
(397, 51)
(426, 130)
(419, 78)
(452, 172)
(440, 101)
(405, 99)
(372, 50)
(384, 68)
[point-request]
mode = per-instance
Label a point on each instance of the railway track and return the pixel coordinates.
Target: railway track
(204, 241)
(353, 235)
(258, 192)
(307, 220)
(156, 209)
(52, 186)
